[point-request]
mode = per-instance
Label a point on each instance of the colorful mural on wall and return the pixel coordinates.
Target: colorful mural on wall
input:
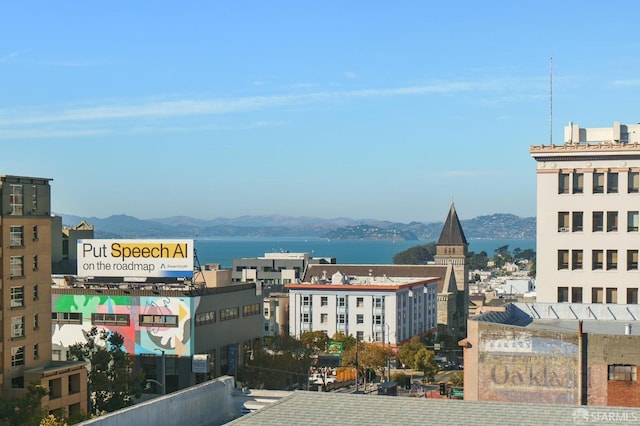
(153, 323)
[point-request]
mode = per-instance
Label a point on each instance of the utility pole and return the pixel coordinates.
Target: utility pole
(388, 356)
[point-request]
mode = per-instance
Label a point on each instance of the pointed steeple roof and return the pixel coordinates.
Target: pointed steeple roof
(452, 232)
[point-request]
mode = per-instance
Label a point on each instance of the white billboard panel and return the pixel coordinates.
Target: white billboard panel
(135, 258)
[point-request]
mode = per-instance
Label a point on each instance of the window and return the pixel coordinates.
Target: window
(35, 232)
(576, 259)
(208, 318)
(16, 236)
(625, 373)
(632, 296)
(359, 335)
(167, 320)
(305, 318)
(15, 199)
(612, 183)
(306, 300)
(563, 294)
(598, 221)
(597, 295)
(36, 351)
(36, 322)
(578, 183)
(66, 317)
(612, 221)
(17, 297)
(634, 182)
(598, 183)
(360, 302)
(576, 294)
(34, 198)
(632, 260)
(563, 183)
(632, 221)
(563, 221)
(17, 266)
(378, 302)
(250, 310)
(324, 318)
(577, 222)
(341, 302)
(226, 314)
(597, 259)
(17, 327)
(36, 293)
(109, 319)
(612, 260)
(35, 262)
(360, 319)
(377, 319)
(612, 295)
(342, 319)
(563, 259)
(324, 301)
(17, 356)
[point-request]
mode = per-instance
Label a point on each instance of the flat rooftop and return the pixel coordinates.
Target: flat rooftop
(596, 318)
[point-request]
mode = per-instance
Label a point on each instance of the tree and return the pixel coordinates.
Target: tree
(348, 341)
(425, 361)
(417, 255)
(369, 356)
(112, 385)
(315, 342)
(478, 261)
(24, 410)
(457, 379)
(407, 352)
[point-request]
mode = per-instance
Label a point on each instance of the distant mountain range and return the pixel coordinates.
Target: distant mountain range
(495, 226)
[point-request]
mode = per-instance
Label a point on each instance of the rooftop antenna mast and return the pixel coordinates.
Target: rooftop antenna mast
(551, 101)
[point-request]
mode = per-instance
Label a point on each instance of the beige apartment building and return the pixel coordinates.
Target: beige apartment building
(25, 282)
(588, 203)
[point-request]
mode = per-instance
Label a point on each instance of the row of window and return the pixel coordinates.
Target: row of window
(378, 302)
(343, 319)
(597, 260)
(16, 265)
(16, 199)
(16, 235)
(227, 314)
(601, 182)
(115, 319)
(17, 355)
(597, 221)
(250, 310)
(598, 295)
(17, 295)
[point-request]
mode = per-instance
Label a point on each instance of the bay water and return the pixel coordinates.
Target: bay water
(360, 252)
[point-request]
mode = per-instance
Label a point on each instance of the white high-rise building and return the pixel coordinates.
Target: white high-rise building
(588, 207)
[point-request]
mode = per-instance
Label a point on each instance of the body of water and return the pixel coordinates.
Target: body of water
(361, 252)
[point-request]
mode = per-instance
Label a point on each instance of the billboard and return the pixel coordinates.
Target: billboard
(135, 258)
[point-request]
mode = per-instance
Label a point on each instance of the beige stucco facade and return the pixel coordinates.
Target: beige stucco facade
(588, 202)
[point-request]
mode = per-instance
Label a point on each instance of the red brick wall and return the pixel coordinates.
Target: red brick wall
(621, 393)
(597, 384)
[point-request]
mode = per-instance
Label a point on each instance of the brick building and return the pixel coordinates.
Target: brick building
(577, 354)
(25, 284)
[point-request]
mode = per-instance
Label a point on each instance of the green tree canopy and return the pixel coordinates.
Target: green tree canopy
(406, 353)
(315, 342)
(417, 255)
(425, 361)
(112, 385)
(24, 410)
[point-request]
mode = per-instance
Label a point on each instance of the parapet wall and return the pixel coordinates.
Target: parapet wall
(207, 404)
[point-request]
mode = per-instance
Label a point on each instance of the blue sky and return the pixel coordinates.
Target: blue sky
(361, 109)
